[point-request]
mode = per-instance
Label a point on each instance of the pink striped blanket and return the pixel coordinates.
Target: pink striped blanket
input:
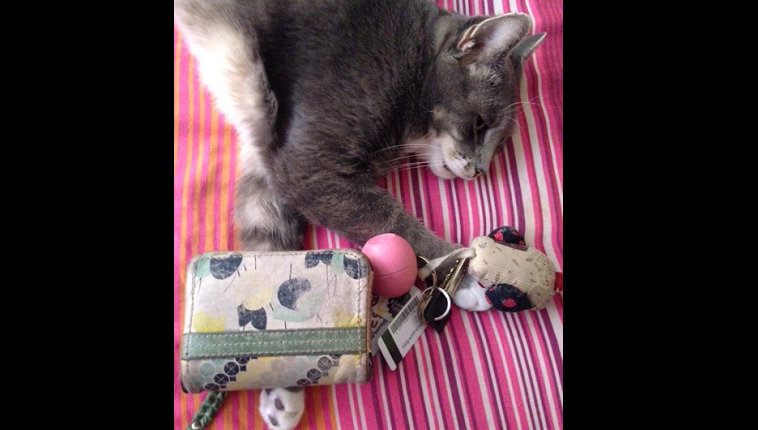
(487, 370)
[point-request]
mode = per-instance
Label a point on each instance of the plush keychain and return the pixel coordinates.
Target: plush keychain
(506, 275)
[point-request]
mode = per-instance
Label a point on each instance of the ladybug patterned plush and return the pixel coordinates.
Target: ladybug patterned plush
(507, 275)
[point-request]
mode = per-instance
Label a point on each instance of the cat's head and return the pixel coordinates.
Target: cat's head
(472, 92)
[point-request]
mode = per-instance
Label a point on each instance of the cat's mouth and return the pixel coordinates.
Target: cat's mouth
(432, 148)
(441, 169)
(456, 167)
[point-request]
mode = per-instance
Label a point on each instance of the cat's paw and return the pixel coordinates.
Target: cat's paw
(281, 408)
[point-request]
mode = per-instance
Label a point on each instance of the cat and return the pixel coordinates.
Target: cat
(327, 95)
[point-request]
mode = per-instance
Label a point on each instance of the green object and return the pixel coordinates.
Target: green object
(332, 340)
(208, 409)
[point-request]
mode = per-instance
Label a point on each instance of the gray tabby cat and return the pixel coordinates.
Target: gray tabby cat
(327, 94)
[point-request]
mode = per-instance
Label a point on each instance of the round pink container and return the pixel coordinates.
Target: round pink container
(394, 264)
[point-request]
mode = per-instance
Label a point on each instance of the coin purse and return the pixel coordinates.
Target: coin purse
(276, 319)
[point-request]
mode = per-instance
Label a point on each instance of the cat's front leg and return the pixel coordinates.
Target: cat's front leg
(264, 222)
(357, 209)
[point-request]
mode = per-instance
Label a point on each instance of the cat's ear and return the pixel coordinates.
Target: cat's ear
(525, 48)
(492, 37)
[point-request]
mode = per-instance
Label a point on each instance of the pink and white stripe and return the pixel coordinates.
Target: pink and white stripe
(487, 370)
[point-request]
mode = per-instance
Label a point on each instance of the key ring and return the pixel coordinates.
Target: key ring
(426, 263)
(424, 301)
(428, 291)
(449, 302)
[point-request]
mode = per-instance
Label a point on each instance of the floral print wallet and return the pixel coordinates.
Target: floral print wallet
(276, 319)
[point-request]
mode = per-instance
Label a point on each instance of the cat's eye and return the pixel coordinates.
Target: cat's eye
(480, 125)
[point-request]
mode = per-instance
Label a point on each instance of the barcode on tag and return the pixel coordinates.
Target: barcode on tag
(398, 338)
(383, 312)
(400, 319)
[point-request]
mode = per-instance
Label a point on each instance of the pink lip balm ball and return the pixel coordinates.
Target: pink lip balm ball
(394, 264)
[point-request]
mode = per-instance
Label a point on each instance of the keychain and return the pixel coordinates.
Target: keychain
(437, 298)
(434, 309)
(496, 271)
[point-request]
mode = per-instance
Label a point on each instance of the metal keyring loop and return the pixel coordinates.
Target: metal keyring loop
(434, 272)
(449, 302)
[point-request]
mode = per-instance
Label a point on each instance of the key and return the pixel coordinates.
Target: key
(435, 307)
(453, 279)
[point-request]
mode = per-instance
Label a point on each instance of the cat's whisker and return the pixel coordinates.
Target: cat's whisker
(403, 167)
(422, 107)
(394, 160)
(403, 146)
(390, 163)
(513, 121)
(389, 148)
(399, 170)
(531, 102)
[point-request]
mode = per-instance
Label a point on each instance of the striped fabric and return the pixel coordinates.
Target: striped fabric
(488, 370)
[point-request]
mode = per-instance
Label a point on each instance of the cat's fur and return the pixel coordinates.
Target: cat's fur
(327, 95)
